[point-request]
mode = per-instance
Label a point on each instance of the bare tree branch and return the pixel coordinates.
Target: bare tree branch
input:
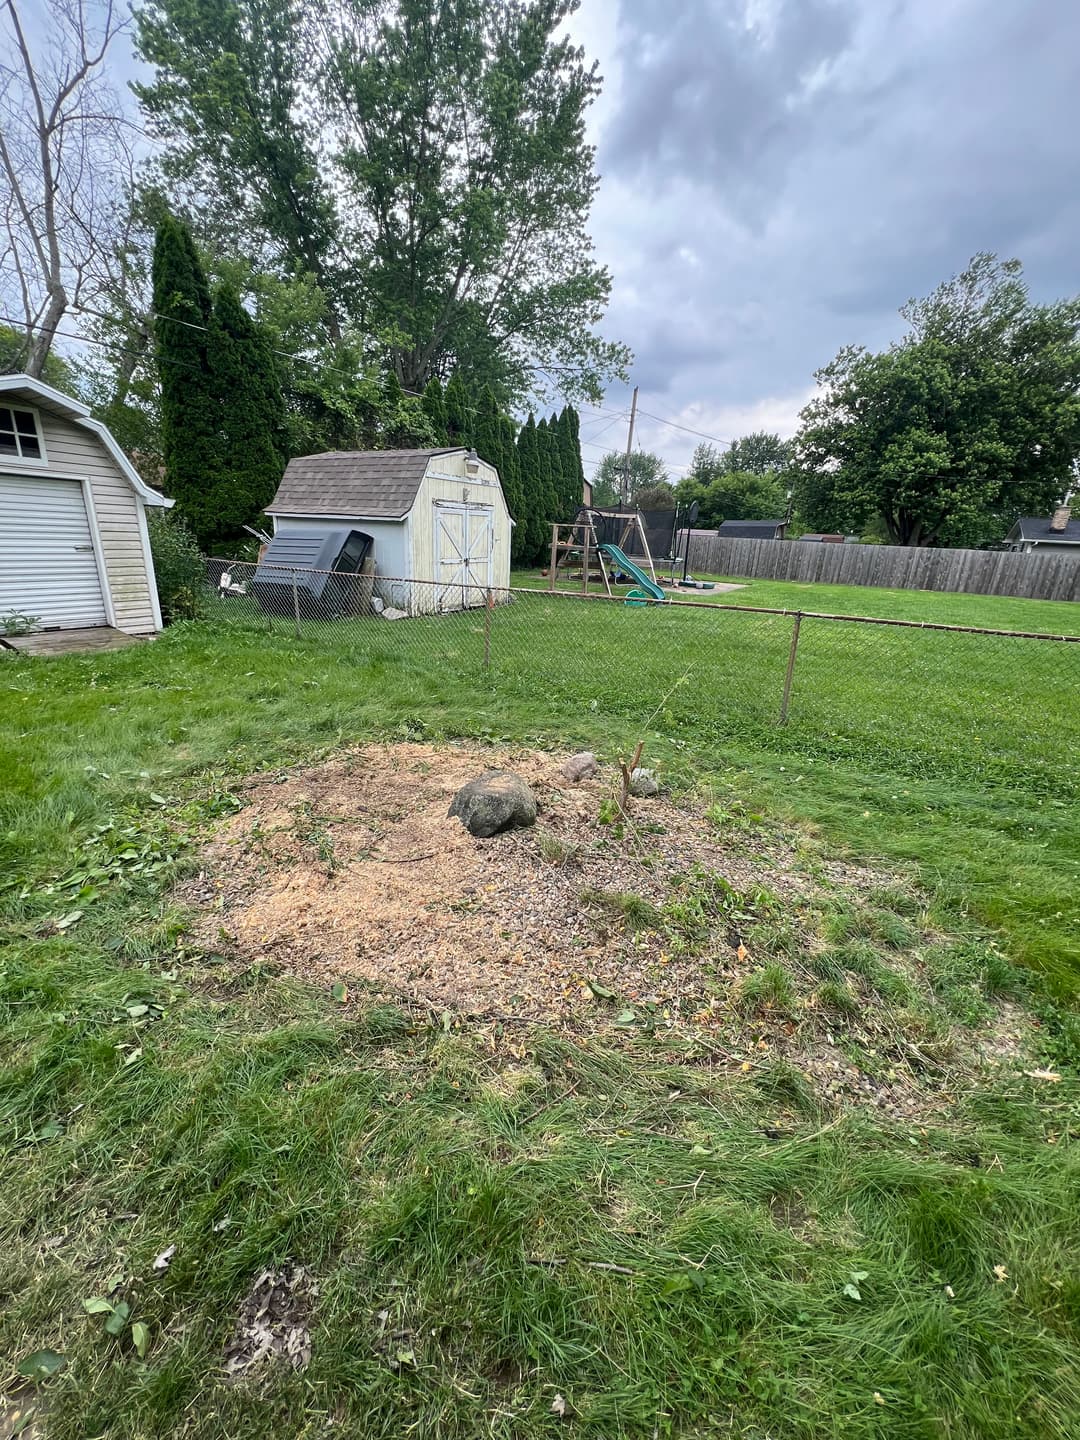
(64, 154)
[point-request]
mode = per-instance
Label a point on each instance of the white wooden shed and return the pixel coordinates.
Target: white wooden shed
(438, 517)
(74, 548)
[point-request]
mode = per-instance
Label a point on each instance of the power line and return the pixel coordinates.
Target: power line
(674, 425)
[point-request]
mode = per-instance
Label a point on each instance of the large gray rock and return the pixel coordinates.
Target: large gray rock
(580, 767)
(494, 802)
(644, 782)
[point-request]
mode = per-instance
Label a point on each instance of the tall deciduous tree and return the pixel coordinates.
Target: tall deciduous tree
(970, 421)
(442, 144)
(64, 167)
(646, 470)
(747, 481)
(232, 103)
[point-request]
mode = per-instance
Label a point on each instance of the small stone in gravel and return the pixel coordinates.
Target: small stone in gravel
(644, 782)
(580, 767)
(494, 802)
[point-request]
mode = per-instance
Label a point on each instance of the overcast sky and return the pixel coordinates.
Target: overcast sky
(779, 176)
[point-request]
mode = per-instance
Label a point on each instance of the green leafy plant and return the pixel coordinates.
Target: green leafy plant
(18, 622)
(118, 1321)
(179, 566)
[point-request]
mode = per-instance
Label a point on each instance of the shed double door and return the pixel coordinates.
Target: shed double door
(465, 551)
(48, 568)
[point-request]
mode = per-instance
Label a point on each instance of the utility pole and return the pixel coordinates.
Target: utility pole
(625, 487)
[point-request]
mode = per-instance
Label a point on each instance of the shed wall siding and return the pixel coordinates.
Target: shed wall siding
(446, 480)
(73, 450)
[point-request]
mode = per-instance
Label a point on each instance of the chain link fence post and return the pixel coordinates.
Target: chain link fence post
(296, 605)
(785, 701)
(489, 606)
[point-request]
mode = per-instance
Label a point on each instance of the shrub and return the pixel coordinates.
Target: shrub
(179, 565)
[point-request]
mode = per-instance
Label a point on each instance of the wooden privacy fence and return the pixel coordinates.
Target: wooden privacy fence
(892, 567)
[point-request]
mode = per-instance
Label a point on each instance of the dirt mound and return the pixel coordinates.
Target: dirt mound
(666, 920)
(354, 867)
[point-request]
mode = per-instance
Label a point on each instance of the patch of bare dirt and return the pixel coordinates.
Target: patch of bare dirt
(354, 867)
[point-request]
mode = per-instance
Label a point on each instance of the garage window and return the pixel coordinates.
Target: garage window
(20, 436)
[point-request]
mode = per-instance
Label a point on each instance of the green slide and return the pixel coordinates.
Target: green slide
(629, 568)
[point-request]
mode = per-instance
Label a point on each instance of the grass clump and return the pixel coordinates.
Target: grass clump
(837, 997)
(787, 1087)
(878, 926)
(635, 912)
(862, 958)
(770, 988)
(554, 849)
(968, 977)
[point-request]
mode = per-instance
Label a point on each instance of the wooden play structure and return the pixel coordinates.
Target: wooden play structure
(594, 537)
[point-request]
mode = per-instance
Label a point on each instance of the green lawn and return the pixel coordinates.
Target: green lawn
(991, 612)
(458, 1195)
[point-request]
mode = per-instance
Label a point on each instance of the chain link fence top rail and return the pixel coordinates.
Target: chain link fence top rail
(989, 707)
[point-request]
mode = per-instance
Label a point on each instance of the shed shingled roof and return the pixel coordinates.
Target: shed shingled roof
(354, 482)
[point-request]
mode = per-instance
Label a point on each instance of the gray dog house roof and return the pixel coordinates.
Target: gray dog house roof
(365, 483)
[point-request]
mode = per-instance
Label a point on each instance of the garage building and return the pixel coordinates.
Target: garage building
(74, 548)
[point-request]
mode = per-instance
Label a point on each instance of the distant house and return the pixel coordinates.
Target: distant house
(752, 529)
(1058, 535)
(824, 539)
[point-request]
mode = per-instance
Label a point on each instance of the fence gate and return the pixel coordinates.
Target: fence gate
(465, 543)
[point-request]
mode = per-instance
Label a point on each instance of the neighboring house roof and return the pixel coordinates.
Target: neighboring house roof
(25, 387)
(1035, 529)
(363, 483)
(751, 529)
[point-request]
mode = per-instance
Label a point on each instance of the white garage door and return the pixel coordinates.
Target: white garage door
(48, 568)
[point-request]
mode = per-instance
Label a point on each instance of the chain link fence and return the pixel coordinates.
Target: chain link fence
(992, 707)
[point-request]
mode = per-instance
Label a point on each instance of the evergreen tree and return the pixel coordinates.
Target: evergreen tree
(189, 438)
(435, 408)
(546, 487)
(570, 448)
(486, 431)
(510, 472)
(251, 421)
(459, 412)
(555, 466)
(532, 518)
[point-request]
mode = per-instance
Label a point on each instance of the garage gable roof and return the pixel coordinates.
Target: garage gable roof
(361, 483)
(36, 392)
